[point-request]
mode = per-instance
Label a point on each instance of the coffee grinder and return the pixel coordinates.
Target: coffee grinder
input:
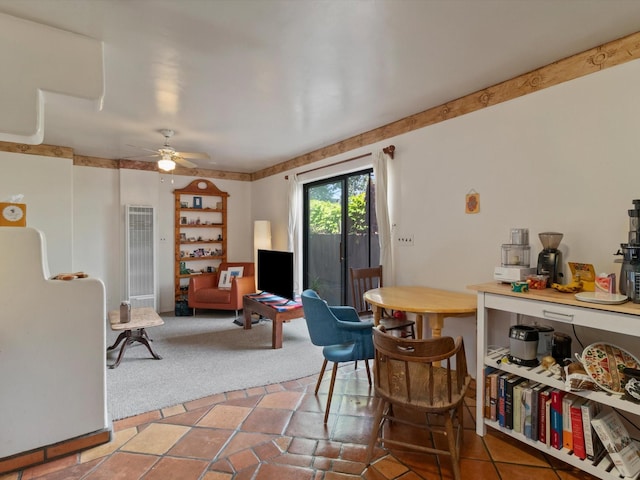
(550, 258)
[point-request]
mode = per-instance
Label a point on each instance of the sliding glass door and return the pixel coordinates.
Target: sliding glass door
(340, 231)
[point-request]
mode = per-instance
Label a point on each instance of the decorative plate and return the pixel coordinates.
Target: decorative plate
(604, 363)
(601, 297)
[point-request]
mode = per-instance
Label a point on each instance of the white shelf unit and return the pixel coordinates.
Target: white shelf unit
(552, 307)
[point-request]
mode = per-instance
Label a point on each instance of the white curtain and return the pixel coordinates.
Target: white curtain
(382, 213)
(293, 239)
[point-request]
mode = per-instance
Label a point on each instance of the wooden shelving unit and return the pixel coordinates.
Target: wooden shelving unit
(200, 232)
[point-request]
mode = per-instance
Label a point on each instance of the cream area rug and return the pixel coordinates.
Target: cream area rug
(201, 356)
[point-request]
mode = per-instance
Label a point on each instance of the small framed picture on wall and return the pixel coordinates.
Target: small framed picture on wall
(197, 202)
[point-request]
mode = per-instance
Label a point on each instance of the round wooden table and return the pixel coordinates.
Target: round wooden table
(434, 303)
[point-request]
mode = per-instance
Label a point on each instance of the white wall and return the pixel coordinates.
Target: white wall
(563, 159)
(97, 233)
(269, 202)
(47, 186)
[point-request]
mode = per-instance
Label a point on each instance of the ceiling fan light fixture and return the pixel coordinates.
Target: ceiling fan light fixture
(169, 158)
(166, 164)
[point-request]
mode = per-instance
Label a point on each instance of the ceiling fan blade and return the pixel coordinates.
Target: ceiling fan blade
(143, 148)
(183, 162)
(196, 155)
(140, 157)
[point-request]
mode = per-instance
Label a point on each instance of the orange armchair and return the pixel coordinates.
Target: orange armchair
(204, 292)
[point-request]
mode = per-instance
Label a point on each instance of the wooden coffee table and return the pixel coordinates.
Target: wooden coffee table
(134, 331)
(277, 309)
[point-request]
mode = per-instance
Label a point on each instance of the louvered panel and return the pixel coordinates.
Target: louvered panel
(141, 278)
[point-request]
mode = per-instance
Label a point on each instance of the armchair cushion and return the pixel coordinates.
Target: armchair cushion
(212, 295)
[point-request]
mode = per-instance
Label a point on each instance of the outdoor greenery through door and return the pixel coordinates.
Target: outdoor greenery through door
(340, 231)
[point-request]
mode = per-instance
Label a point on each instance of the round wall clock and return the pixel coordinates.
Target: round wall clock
(13, 213)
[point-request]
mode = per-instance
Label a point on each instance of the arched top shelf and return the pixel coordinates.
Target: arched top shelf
(203, 187)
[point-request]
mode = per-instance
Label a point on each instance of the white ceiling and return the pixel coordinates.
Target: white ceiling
(257, 82)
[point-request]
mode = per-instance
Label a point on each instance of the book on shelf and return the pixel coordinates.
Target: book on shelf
(556, 418)
(623, 451)
(487, 387)
(518, 419)
(530, 410)
(502, 388)
(577, 428)
(543, 414)
(547, 423)
(592, 444)
(567, 432)
(527, 410)
(493, 395)
(512, 381)
(536, 389)
(488, 371)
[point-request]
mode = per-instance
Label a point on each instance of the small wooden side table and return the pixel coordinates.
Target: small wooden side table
(141, 318)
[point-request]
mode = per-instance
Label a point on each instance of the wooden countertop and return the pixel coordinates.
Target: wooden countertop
(551, 295)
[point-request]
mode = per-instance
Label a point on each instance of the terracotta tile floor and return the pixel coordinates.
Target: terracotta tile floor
(277, 432)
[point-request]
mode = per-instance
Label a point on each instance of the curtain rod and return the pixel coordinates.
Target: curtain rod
(388, 150)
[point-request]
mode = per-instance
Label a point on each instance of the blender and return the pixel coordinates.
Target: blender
(630, 271)
(550, 258)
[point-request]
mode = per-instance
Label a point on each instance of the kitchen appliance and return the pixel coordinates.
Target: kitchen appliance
(523, 345)
(550, 258)
(515, 258)
(561, 348)
(630, 271)
(545, 340)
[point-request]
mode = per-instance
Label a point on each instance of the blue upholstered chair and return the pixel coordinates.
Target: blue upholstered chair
(341, 333)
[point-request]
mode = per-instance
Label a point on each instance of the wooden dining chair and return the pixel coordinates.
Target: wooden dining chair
(363, 279)
(406, 377)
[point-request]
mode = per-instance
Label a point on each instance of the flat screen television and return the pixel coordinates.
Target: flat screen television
(275, 273)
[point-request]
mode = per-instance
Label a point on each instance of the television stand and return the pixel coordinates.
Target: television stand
(277, 309)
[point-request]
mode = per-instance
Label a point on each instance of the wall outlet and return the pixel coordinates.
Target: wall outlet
(405, 240)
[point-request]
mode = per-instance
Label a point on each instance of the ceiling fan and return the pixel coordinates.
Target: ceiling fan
(169, 156)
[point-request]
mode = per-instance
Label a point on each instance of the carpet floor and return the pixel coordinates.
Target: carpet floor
(201, 356)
